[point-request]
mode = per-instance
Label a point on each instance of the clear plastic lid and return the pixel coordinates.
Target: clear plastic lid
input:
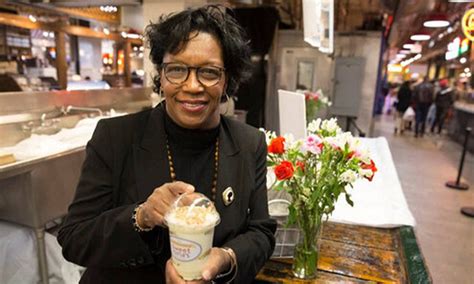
(194, 210)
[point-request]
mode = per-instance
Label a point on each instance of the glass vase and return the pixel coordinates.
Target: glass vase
(306, 254)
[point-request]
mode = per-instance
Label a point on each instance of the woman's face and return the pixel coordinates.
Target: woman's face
(191, 104)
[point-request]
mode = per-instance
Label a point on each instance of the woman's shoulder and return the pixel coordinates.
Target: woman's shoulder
(241, 128)
(126, 127)
(247, 136)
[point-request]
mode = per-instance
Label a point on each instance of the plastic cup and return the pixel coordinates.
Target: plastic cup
(191, 221)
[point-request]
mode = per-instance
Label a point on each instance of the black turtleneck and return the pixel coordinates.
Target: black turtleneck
(192, 152)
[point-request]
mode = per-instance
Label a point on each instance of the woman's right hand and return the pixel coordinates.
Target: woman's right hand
(153, 210)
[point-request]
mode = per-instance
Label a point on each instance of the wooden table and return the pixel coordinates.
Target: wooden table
(358, 254)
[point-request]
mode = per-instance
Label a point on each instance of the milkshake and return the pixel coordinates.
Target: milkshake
(191, 221)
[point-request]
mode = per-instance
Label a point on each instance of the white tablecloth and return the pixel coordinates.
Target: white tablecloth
(379, 203)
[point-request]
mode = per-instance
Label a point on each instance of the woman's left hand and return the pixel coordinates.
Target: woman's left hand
(218, 261)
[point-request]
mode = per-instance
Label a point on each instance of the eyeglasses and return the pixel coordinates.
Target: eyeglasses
(177, 73)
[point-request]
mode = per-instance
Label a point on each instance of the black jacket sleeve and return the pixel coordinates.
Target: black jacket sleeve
(94, 229)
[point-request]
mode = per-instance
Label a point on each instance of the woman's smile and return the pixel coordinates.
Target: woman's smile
(193, 106)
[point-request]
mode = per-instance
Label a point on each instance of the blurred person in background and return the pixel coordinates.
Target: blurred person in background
(443, 100)
(423, 98)
(404, 98)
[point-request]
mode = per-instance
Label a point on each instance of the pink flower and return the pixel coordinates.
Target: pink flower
(313, 144)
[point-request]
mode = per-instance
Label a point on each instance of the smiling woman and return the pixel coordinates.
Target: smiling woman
(137, 165)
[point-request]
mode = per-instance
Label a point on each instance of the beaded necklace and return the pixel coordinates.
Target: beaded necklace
(216, 165)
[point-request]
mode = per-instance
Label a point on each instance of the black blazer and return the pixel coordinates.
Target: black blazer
(125, 161)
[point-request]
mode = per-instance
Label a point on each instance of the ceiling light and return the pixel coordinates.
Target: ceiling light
(467, 70)
(401, 55)
(404, 51)
(436, 24)
(420, 36)
(408, 45)
(106, 31)
(436, 21)
(462, 60)
(395, 68)
(416, 48)
(32, 18)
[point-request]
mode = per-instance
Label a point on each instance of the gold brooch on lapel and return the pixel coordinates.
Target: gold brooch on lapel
(228, 196)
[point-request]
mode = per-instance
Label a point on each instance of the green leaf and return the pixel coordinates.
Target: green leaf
(349, 200)
(279, 186)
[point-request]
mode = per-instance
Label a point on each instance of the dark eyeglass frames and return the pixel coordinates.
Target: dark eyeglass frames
(178, 73)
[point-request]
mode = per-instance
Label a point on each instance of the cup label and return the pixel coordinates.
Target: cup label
(184, 250)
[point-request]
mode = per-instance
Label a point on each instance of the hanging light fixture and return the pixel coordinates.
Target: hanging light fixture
(436, 21)
(420, 36)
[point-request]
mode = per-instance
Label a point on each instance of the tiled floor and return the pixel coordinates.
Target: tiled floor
(446, 237)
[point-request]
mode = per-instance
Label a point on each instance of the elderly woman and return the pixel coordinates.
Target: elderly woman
(136, 165)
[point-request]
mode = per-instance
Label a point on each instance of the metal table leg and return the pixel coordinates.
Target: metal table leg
(41, 252)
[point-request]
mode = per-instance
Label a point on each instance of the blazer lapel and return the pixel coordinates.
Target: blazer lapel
(230, 168)
(150, 158)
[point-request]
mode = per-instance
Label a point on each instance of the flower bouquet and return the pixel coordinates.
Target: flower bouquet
(315, 171)
(314, 102)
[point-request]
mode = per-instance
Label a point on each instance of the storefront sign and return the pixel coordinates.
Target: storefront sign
(464, 46)
(468, 24)
(453, 49)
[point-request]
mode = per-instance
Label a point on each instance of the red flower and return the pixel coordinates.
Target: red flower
(284, 170)
(371, 167)
(300, 164)
(350, 155)
(277, 145)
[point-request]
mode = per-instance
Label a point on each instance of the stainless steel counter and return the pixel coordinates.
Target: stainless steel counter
(36, 191)
(463, 117)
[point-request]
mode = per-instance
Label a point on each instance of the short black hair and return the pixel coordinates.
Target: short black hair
(171, 33)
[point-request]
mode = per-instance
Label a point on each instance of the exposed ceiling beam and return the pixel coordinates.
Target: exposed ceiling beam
(88, 3)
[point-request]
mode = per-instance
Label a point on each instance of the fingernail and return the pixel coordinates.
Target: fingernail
(206, 275)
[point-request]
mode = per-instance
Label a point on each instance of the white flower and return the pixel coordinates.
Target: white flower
(290, 141)
(364, 155)
(330, 125)
(340, 140)
(269, 135)
(348, 176)
(354, 143)
(365, 173)
(306, 191)
(314, 125)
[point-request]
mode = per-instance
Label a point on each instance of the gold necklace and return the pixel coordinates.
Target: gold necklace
(216, 165)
